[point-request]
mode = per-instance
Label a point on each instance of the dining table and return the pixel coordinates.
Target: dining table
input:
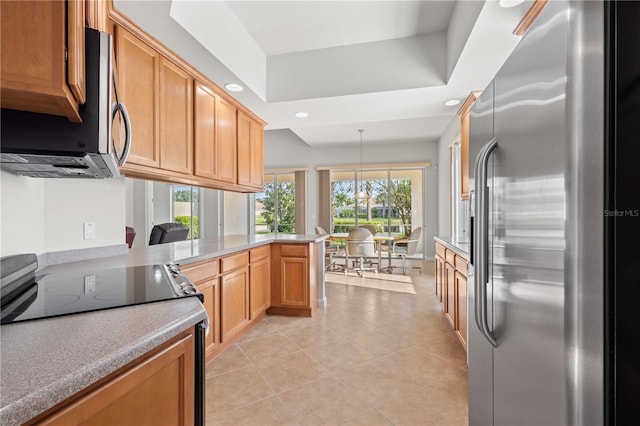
(379, 239)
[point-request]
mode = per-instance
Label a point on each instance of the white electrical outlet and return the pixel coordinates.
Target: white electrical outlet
(89, 230)
(89, 284)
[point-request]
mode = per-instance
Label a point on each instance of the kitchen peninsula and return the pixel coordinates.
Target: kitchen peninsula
(52, 366)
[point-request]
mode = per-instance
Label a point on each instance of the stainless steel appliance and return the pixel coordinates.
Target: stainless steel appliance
(26, 296)
(553, 145)
(42, 145)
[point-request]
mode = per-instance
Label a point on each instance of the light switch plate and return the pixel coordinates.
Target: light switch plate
(89, 230)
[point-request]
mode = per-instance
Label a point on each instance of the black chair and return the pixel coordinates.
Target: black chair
(168, 233)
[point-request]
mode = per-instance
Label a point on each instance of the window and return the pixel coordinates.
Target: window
(185, 207)
(275, 206)
(393, 206)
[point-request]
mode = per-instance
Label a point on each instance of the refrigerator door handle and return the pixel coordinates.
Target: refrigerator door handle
(481, 240)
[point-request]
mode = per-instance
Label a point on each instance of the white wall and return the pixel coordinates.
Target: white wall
(283, 149)
(47, 215)
(236, 213)
(444, 177)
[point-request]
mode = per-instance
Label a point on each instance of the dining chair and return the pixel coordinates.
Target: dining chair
(361, 245)
(406, 247)
(371, 228)
(331, 248)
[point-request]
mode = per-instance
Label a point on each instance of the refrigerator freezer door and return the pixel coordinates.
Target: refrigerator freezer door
(480, 353)
(528, 226)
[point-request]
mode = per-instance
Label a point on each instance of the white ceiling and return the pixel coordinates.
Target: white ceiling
(384, 66)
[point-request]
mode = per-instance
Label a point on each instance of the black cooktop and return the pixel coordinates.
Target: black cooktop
(64, 293)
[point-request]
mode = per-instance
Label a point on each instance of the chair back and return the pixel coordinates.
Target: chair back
(168, 233)
(371, 228)
(320, 230)
(414, 238)
(360, 243)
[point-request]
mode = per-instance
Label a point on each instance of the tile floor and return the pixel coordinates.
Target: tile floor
(381, 353)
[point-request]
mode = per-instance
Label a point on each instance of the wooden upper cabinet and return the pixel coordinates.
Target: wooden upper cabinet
(138, 68)
(226, 146)
(205, 164)
(97, 15)
(463, 112)
(176, 107)
(76, 59)
(33, 68)
(250, 152)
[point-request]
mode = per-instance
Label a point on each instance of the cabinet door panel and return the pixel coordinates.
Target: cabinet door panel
(75, 60)
(204, 132)
(250, 152)
(226, 141)
(159, 390)
(294, 281)
(33, 67)
(176, 140)
(244, 149)
(138, 68)
(449, 283)
(259, 287)
(461, 308)
(234, 303)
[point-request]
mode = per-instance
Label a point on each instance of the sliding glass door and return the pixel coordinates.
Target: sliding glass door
(393, 203)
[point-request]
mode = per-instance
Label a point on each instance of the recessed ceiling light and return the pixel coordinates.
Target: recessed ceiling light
(452, 102)
(233, 87)
(510, 3)
(301, 114)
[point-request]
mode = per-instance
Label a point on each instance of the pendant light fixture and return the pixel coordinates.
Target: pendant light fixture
(362, 194)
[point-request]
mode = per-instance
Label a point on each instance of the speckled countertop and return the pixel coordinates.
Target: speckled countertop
(46, 361)
(185, 252)
(460, 248)
(43, 362)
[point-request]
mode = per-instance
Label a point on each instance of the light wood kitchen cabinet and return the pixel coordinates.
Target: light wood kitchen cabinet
(250, 152)
(43, 72)
(205, 276)
(259, 280)
(234, 295)
(176, 118)
(450, 296)
(460, 285)
(451, 289)
(138, 69)
(158, 388)
(97, 15)
(185, 128)
(463, 112)
(206, 158)
(215, 136)
(226, 145)
(293, 279)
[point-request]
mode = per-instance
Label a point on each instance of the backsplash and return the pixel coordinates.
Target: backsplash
(48, 215)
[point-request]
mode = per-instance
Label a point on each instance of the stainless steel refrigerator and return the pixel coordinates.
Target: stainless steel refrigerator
(544, 206)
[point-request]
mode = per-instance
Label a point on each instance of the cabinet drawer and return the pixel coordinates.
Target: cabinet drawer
(461, 265)
(440, 250)
(450, 256)
(234, 261)
(201, 271)
(293, 250)
(259, 253)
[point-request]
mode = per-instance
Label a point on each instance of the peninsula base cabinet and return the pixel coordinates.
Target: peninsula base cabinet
(158, 388)
(451, 289)
(294, 279)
